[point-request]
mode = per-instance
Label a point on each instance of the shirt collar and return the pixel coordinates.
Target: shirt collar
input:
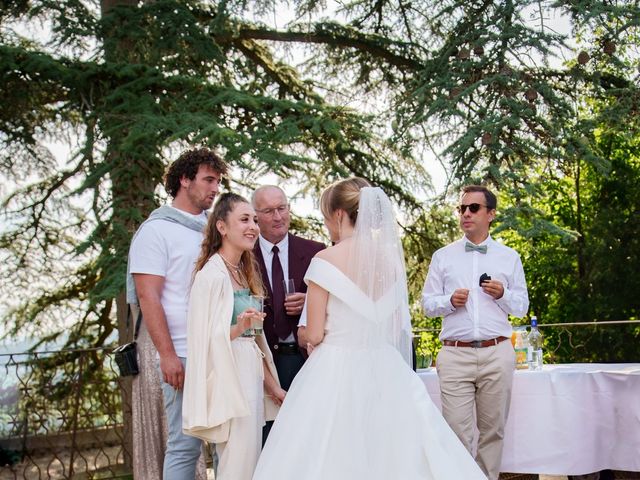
(267, 246)
(487, 241)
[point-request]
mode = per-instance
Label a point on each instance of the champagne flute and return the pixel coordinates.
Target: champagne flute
(289, 287)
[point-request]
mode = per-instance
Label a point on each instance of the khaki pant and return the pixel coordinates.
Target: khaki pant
(479, 378)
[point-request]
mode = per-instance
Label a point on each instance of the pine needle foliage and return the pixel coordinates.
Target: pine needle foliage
(497, 91)
(132, 83)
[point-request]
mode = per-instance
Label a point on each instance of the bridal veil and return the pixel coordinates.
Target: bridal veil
(376, 265)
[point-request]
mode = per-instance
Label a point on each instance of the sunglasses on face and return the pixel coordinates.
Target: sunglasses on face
(473, 208)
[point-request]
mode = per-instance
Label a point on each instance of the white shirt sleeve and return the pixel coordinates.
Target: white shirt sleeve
(435, 301)
(515, 300)
(148, 253)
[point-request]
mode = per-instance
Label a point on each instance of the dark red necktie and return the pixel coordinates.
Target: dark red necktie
(283, 330)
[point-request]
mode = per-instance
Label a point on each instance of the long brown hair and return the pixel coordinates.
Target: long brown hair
(213, 242)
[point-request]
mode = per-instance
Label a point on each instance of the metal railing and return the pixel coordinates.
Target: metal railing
(601, 341)
(564, 325)
(66, 414)
(62, 415)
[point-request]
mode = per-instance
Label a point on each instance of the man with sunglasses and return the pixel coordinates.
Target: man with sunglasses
(281, 256)
(475, 283)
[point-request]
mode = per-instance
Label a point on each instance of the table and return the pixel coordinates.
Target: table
(569, 419)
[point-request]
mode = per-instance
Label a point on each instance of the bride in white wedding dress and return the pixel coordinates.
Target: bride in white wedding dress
(356, 410)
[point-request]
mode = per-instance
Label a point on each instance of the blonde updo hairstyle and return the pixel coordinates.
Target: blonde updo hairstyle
(343, 195)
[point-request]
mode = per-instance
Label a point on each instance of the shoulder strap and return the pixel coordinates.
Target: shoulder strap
(138, 316)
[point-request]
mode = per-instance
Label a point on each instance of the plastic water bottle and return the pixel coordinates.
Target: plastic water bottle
(534, 352)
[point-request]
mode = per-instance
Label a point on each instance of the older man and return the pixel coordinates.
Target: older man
(282, 256)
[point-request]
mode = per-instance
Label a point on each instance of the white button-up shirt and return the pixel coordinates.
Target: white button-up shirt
(283, 254)
(267, 253)
(483, 317)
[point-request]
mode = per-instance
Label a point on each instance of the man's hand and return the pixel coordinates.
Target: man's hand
(149, 288)
(293, 303)
(493, 288)
(172, 371)
(459, 297)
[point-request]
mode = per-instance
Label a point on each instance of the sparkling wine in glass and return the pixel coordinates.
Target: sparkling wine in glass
(257, 302)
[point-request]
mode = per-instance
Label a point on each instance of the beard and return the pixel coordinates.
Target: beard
(203, 202)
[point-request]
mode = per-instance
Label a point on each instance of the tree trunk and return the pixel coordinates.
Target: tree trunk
(133, 181)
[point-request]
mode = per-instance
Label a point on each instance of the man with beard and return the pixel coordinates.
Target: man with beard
(161, 262)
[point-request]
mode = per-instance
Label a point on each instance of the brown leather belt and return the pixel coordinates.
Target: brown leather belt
(475, 343)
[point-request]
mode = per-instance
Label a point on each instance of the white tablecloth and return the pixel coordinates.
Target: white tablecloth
(569, 419)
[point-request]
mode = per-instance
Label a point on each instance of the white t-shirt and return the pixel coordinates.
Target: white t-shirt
(169, 250)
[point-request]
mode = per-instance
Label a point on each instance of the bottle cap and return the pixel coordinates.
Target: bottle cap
(534, 321)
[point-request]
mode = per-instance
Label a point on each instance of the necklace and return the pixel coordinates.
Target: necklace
(229, 264)
(235, 271)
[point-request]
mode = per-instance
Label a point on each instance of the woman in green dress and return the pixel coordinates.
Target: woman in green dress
(231, 384)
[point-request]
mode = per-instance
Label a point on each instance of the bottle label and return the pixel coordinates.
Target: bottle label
(521, 358)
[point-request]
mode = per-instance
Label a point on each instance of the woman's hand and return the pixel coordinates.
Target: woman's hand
(271, 385)
(310, 348)
(244, 321)
(302, 336)
(278, 395)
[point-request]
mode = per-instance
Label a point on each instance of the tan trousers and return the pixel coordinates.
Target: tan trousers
(238, 456)
(479, 378)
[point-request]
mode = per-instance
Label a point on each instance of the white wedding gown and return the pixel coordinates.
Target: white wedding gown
(356, 410)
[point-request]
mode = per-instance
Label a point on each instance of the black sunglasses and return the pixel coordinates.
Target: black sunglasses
(473, 207)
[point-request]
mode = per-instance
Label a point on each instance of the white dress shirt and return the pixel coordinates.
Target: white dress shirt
(482, 317)
(267, 253)
(283, 253)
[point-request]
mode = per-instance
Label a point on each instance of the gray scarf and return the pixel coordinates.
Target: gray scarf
(163, 213)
